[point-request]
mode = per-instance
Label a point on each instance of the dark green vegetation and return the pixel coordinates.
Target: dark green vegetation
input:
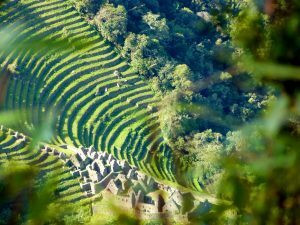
(183, 50)
(262, 178)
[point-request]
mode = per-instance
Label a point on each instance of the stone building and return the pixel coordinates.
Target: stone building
(147, 208)
(114, 187)
(171, 207)
(124, 166)
(132, 174)
(114, 166)
(99, 171)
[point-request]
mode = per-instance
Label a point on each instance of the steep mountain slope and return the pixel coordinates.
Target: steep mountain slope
(14, 148)
(95, 105)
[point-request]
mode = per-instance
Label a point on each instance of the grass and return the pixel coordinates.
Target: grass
(67, 78)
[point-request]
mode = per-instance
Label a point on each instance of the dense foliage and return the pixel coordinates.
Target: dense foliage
(211, 86)
(261, 177)
(183, 49)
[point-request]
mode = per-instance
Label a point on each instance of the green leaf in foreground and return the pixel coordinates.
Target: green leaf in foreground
(36, 43)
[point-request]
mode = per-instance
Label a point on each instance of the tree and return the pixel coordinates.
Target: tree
(157, 26)
(87, 6)
(208, 149)
(112, 22)
(146, 54)
(261, 179)
(183, 78)
(170, 119)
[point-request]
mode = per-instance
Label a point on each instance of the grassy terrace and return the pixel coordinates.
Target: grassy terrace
(94, 107)
(68, 189)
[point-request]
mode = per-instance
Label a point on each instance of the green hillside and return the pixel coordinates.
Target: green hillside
(149, 112)
(94, 106)
(68, 190)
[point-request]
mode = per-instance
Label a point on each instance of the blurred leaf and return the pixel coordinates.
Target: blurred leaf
(264, 165)
(44, 131)
(297, 107)
(11, 118)
(208, 114)
(4, 79)
(2, 1)
(276, 116)
(115, 213)
(212, 79)
(271, 70)
(36, 43)
(14, 178)
(43, 206)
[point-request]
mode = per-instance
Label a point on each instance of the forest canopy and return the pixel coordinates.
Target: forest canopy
(184, 51)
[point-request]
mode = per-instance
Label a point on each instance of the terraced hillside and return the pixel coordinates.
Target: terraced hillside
(95, 107)
(14, 147)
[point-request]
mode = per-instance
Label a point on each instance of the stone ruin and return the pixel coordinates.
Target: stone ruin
(100, 171)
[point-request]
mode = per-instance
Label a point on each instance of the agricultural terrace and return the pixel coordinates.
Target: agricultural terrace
(98, 99)
(14, 148)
